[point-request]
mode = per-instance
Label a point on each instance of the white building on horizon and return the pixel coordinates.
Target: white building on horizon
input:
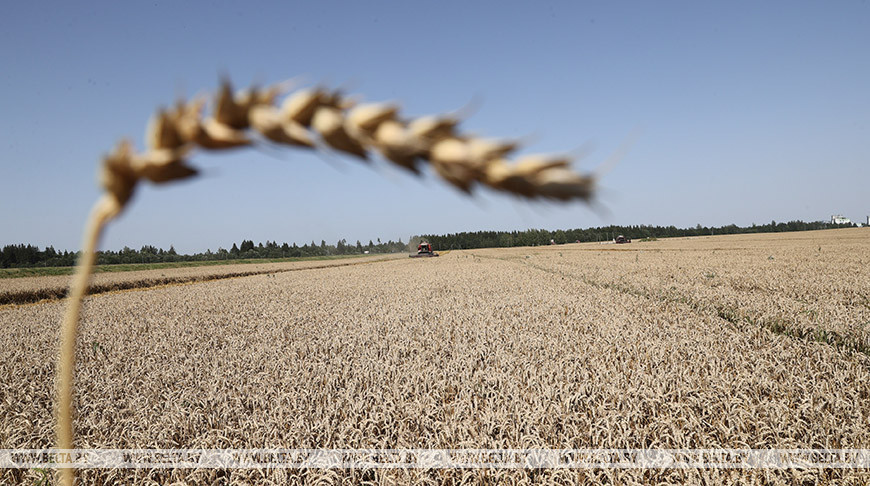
(840, 219)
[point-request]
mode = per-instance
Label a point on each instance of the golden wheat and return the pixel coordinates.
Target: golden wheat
(27, 290)
(810, 285)
(340, 123)
(503, 351)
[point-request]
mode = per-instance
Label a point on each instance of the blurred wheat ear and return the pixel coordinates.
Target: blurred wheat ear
(315, 118)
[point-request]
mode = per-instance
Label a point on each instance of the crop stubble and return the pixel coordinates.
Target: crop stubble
(517, 348)
(25, 290)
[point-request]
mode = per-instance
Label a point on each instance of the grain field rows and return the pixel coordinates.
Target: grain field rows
(518, 348)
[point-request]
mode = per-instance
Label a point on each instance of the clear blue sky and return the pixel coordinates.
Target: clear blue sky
(747, 112)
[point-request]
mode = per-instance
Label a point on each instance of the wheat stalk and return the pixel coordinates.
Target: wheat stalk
(308, 118)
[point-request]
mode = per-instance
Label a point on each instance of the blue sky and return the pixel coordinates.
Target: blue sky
(745, 112)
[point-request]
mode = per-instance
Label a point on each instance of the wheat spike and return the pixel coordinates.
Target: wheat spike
(344, 125)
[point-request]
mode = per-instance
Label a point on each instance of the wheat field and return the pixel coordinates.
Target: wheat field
(24, 290)
(754, 341)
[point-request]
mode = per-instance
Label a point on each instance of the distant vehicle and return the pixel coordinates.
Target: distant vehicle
(622, 239)
(424, 250)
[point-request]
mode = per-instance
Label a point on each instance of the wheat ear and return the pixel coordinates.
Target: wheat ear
(309, 118)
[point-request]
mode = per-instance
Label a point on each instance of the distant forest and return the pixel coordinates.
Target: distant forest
(22, 255)
(16, 256)
(533, 237)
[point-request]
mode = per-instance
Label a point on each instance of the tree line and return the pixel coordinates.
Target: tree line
(533, 237)
(21, 255)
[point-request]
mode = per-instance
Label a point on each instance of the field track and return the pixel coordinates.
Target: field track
(748, 341)
(26, 290)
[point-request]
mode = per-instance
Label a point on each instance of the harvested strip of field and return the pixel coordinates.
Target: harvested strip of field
(32, 289)
(449, 352)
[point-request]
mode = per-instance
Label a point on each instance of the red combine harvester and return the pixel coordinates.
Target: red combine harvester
(424, 250)
(622, 239)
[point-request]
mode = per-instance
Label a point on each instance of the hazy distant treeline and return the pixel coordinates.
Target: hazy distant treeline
(532, 237)
(31, 256)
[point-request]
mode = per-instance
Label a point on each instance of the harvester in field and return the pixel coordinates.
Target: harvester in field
(424, 250)
(621, 239)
